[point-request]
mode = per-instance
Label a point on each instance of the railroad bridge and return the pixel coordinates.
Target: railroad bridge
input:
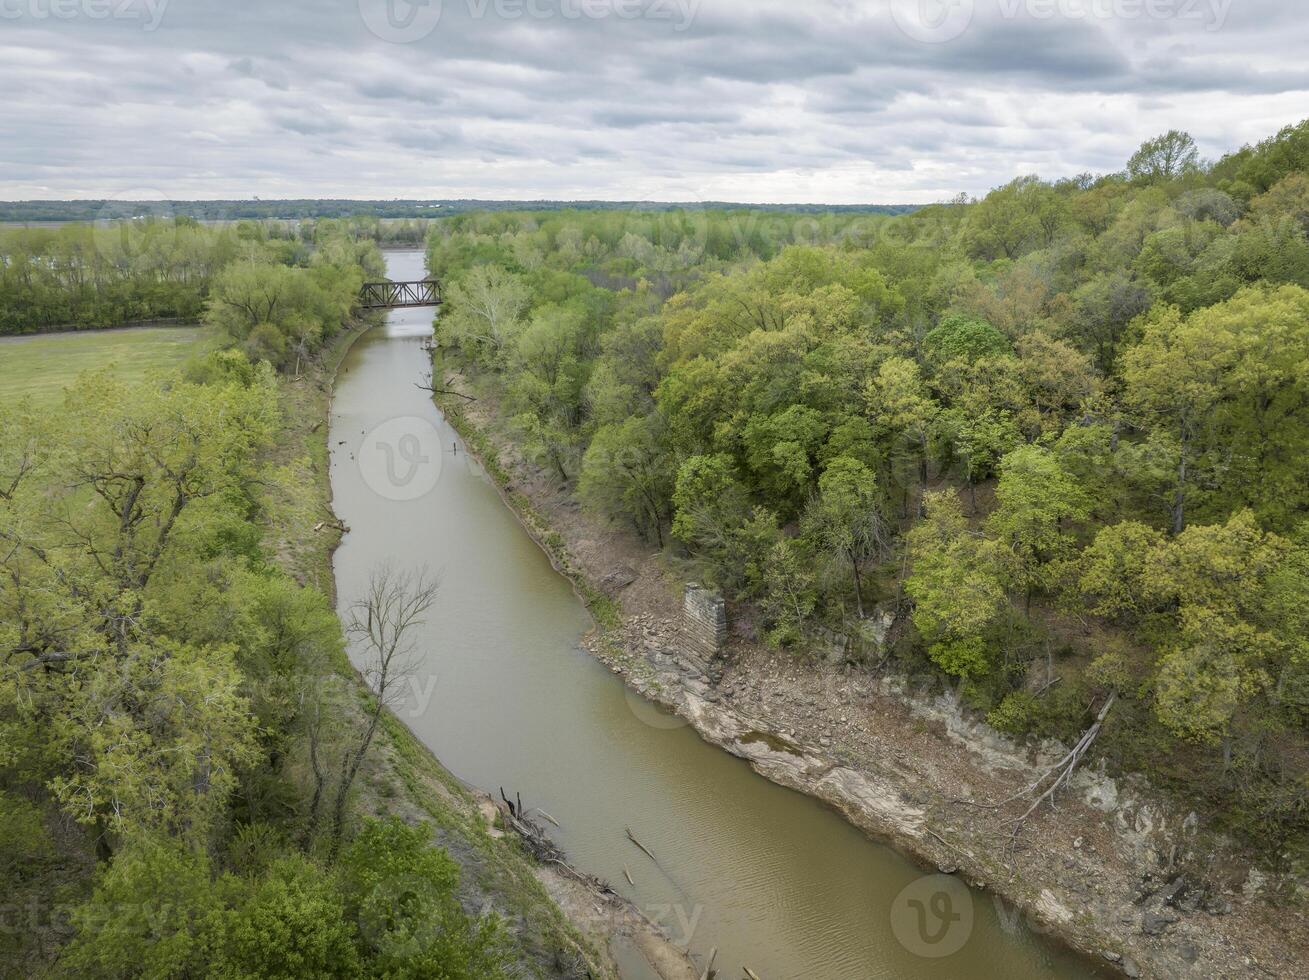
(398, 295)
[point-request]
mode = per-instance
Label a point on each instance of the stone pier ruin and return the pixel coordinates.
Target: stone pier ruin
(704, 626)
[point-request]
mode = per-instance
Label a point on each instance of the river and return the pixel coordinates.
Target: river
(506, 696)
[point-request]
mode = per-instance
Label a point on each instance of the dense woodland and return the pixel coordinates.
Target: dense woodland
(87, 276)
(181, 736)
(1063, 429)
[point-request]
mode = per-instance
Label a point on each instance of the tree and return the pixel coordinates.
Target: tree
(1264, 419)
(1036, 501)
(1260, 167)
(290, 924)
(1165, 157)
(1103, 307)
(1227, 644)
(248, 294)
(782, 451)
(710, 507)
(1226, 385)
(964, 337)
(844, 519)
(401, 893)
(484, 309)
(1059, 384)
(1115, 570)
(157, 739)
(1175, 378)
(980, 440)
(958, 597)
(627, 474)
(626, 375)
(1014, 218)
(381, 623)
(148, 916)
(789, 594)
(140, 730)
(902, 407)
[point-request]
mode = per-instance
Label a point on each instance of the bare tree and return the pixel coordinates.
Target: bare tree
(382, 623)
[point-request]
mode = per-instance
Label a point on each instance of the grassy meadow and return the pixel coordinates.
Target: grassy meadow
(44, 365)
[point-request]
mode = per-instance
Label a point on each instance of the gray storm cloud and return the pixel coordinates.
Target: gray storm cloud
(834, 101)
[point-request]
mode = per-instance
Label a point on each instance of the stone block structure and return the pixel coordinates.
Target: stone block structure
(704, 625)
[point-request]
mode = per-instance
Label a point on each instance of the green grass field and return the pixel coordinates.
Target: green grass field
(43, 366)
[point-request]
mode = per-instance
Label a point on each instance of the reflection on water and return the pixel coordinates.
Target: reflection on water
(506, 697)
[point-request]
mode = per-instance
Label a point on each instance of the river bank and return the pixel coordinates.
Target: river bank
(1112, 873)
(564, 925)
(401, 777)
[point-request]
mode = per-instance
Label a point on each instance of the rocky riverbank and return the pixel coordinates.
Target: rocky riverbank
(1112, 871)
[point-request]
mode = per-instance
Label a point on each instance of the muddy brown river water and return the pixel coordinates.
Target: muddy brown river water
(505, 696)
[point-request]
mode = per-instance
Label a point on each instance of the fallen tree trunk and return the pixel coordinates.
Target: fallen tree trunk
(1047, 785)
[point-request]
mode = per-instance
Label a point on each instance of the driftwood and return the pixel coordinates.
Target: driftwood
(545, 850)
(548, 817)
(532, 835)
(628, 875)
(750, 973)
(1046, 786)
(645, 850)
(431, 387)
(709, 969)
(1049, 684)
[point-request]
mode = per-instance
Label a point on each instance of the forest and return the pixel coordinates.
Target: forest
(182, 739)
(1061, 430)
(90, 276)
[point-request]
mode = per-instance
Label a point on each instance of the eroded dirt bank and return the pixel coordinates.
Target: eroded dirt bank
(1111, 872)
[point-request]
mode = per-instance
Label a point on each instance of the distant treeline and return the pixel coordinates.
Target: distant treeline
(87, 276)
(109, 210)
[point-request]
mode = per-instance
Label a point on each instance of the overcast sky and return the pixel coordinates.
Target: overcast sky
(837, 101)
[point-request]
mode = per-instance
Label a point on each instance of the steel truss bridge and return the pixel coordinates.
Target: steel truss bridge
(398, 295)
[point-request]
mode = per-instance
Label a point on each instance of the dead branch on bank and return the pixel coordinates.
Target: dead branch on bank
(542, 848)
(430, 386)
(1046, 786)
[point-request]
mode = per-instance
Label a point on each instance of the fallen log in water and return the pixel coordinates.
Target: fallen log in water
(709, 969)
(644, 849)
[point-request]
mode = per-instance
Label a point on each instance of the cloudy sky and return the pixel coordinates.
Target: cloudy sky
(838, 101)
